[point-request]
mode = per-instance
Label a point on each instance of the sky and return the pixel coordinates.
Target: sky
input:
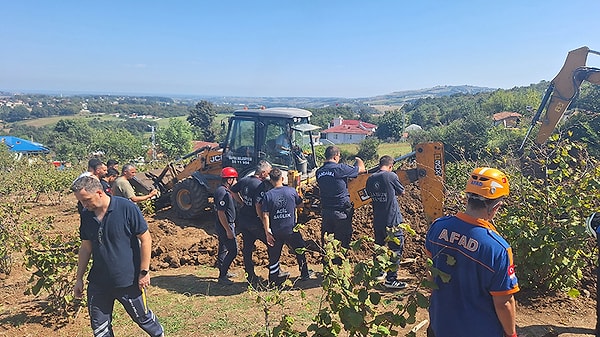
(309, 48)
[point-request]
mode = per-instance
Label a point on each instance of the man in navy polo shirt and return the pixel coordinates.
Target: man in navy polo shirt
(279, 219)
(477, 300)
(383, 186)
(116, 234)
(248, 222)
(337, 211)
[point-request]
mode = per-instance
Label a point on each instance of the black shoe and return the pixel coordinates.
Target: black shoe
(308, 276)
(254, 280)
(394, 284)
(278, 281)
(225, 281)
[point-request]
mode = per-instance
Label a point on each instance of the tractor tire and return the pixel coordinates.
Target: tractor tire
(189, 198)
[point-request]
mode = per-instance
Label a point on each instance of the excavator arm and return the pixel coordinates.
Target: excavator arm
(429, 173)
(562, 91)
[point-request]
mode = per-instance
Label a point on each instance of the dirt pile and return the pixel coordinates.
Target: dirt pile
(179, 242)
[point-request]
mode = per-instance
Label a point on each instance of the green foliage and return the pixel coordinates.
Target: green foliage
(54, 262)
(176, 139)
(202, 117)
(11, 235)
(544, 220)
(352, 302)
(323, 116)
(585, 127)
(120, 144)
(589, 97)
(391, 125)
(367, 149)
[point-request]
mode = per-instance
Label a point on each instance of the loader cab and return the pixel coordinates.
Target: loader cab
(282, 136)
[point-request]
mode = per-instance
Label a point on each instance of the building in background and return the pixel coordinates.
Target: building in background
(348, 131)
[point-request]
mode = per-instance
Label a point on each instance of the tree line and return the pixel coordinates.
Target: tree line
(463, 122)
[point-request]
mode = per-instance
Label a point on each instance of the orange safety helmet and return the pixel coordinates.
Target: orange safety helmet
(488, 182)
(229, 172)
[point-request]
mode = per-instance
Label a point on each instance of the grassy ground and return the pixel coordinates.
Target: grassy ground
(189, 302)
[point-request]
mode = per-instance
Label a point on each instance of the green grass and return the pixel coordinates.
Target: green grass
(49, 121)
(194, 305)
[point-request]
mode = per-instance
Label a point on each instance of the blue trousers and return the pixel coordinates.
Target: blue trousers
(250, 234)
(293, 240)
(380, 236)
(101, 303)
(227, 251)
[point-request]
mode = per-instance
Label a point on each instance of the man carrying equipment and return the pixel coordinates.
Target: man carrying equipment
(477, 300)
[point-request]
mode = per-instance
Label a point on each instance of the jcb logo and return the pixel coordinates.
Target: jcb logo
(363, 195)
(437, 165)
(215, 159)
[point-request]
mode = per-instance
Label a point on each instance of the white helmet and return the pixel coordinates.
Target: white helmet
(591, 224)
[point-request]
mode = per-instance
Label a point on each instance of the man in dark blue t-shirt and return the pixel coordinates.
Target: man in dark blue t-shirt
(383, 186)
(225, 224)
(115, 233)
(249, 223)
(337, 211)
(279, 219)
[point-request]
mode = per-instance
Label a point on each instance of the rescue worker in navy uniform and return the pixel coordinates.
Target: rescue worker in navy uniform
(478, 299)
(249, 224)
(593, 228)
(337, 211)
(115, 233)
(225, 224)
(279, 219)
(383, 186)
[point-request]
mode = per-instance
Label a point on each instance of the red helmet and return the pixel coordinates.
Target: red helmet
(229, 172)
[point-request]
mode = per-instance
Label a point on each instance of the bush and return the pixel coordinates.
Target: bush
(544, 220)
(367, 149)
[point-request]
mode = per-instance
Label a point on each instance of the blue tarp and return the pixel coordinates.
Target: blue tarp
(23, 146)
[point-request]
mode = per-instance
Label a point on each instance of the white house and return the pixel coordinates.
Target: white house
(349, 131)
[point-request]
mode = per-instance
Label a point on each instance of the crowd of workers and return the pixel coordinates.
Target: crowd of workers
(477, 299)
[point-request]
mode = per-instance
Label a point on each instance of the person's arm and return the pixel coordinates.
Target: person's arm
(83, 258)
(145, 254)
(506, 311)
(138, 198)
(398, 188)
(223, 221)
(235, 193)
(360, 164)
(259, 211)
(267, 227)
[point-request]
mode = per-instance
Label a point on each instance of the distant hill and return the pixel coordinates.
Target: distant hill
(401, 97)
(393, 99)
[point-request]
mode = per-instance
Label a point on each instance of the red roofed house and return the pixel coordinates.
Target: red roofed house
(507, 118)
(349, 131)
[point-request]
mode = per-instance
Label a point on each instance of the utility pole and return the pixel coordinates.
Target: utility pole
(153, 138)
